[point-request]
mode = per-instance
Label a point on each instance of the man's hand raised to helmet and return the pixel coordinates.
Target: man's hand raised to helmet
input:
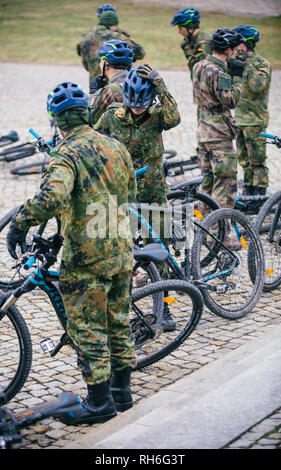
(145, 71)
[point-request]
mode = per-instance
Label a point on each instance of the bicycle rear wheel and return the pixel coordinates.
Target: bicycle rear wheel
(269, 218)
(15, 352)
(185, 305)
(231, 292)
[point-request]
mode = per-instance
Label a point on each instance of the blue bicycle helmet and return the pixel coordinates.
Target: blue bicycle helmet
(106, 7)
(138, 92)
(116, 52)
(250, 33)
(188, 17)
(66, 95)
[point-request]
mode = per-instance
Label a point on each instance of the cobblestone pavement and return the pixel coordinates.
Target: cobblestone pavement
(24, 107)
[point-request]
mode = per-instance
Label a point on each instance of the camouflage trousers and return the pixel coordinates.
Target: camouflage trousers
(218, 164)
(251, 153)
(97, 302)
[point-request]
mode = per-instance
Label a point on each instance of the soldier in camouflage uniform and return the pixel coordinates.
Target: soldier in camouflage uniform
(89, 170)
(116, 59)
(216, 94)
(139, 124)
(252, 115)
(106, 29)
(196, 43)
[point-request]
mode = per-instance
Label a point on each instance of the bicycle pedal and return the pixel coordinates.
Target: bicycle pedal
(47, 345)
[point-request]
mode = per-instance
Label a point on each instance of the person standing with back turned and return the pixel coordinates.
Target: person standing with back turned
(88, 170)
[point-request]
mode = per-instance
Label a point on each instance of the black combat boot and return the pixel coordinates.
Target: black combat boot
(97, 407)
(121, 390)
(248, 190)
(167, 322)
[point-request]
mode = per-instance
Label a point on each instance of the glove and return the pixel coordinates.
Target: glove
(16, 237)
(236, 66)
(145, 71)
(97, 83)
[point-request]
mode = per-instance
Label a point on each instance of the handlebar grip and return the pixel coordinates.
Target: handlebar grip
(34, 133)
(143, 170)
(29, 263)
(269, 136)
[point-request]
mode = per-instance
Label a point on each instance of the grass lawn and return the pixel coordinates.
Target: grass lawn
(47, 31)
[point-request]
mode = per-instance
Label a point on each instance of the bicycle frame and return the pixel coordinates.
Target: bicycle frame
(201, 283)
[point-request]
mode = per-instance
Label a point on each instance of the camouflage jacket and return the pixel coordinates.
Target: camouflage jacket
(111, 92)
(196, 49)
(88, 179)
(91, 42)
(142, 136)
(216, 93)
(252, 109)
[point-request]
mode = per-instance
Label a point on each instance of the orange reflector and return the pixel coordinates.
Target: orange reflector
(24, 414)
(169, 300)
(269, 271)
(243, 243)
(198, 215)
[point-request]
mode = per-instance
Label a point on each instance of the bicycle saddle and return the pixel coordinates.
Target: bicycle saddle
(194, 183)
(153, 252)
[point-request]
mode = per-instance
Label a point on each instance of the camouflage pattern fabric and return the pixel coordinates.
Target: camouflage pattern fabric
(218, 164)
(252, 109)
(196, 49)
(111, 92)
(91, 42)
(251, 153)
(97, 300)
(87, 168)
(216, 94)
(142, 135)
(90, 172)
(252, 118)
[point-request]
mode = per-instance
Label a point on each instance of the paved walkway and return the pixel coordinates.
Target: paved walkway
(213, 341)
(256, 8)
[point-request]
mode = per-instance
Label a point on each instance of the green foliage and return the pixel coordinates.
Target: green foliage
(40, 31)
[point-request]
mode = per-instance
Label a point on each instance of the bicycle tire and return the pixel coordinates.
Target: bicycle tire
(272, 250)
(164, 344)
(14, 341)
(30, 169)
(17, 152)
(227, 305)
(209, 205)
(6, 260)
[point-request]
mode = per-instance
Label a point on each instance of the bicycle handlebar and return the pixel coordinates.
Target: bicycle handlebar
(275, 138)
(10, 422)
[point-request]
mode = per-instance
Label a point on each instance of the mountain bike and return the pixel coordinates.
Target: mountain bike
(222, 275)
(147, 305)
(28, 149)
(268, 225)
(11, 423)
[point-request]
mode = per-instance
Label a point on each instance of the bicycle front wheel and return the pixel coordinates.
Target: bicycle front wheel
(225, 281)
(185, 306)
(15, 353)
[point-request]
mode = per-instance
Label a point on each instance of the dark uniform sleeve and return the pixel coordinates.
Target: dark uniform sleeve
(54, 196)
